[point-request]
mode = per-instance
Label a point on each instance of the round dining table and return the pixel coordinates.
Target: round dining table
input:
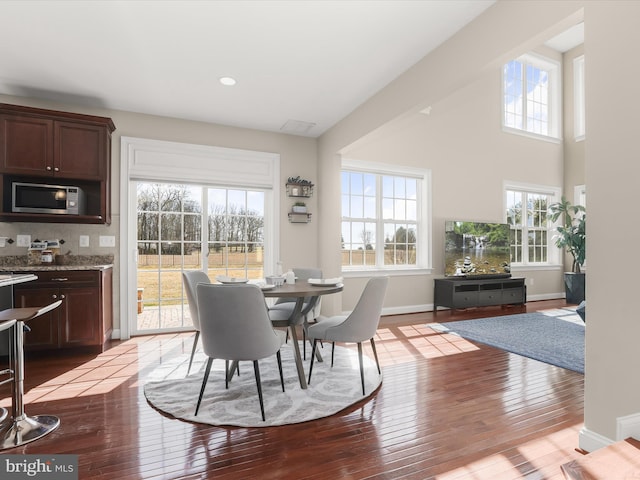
(306, 295)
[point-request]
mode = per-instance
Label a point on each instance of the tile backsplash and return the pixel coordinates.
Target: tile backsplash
(78, 239)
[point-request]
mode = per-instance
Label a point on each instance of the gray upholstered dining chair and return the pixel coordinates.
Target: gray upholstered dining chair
(360, 325)
(191, 279)
(235, 326)
(283, 307)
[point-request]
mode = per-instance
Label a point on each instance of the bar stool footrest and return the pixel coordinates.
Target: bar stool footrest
(10, 377)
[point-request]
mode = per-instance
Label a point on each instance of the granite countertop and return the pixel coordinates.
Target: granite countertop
(7, 280)
(17, 263)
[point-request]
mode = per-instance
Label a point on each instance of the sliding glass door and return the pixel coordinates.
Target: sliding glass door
(190, 227)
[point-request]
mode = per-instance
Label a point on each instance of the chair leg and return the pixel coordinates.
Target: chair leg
(193, 350)
(375, 354)
(333, 349)
(305, 325)
(279, 357)
(235, 367)
(204, 382)
(256, 370)
(361, 367)
(313, 356)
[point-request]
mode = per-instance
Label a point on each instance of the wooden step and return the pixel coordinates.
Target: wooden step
(619, 460)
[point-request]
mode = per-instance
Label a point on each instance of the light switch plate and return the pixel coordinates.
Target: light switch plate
(107, 241)
(23, 240)
(84, 240)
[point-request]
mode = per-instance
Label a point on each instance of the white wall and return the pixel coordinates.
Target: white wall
(612, 172)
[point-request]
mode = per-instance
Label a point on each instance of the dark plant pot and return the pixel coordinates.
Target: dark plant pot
(574, 287)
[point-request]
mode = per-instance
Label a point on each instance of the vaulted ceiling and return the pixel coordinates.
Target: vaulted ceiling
(300, 66)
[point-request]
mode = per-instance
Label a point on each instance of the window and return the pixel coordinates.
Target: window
(578, 98)
(384, 221)
(531, 96)
(580, 195)
(235, 232)
(531, 232)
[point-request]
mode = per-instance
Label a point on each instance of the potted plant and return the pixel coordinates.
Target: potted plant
(299, 207)
(571, 237)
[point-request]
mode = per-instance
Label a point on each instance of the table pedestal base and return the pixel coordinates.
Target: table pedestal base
(27, 429)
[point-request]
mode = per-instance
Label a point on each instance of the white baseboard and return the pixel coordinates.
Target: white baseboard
(628, 426)
(544, 296)
(407, 309)
(592, 441)
(115, 334)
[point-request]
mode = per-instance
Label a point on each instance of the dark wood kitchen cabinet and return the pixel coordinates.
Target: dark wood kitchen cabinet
(61, 148)
(85, 317)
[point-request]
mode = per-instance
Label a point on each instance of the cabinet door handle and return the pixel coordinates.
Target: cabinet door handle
(56, 169)
(49, 168)
(59, 279)
(54, 296)
(62, 297)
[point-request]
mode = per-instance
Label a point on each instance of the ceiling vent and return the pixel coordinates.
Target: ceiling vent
(297, 127)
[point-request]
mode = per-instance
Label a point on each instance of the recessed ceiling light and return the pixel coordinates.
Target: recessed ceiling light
(228, 81)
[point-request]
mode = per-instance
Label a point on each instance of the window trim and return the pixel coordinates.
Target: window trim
(580, 198)
(423, 224)
(555, 98)
(554, 254)
(579, 117)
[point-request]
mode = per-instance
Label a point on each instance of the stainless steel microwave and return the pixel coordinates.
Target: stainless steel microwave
(44, 198)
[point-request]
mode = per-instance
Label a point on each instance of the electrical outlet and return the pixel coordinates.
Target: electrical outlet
(107, 241)
(24, 240)
(84, 240)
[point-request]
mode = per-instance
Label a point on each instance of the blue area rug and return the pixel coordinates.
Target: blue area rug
(555, 336)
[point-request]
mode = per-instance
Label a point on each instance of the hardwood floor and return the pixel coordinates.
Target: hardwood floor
(447, 409)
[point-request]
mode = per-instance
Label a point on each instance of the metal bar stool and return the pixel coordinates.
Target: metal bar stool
(6, 325)
(21, 428)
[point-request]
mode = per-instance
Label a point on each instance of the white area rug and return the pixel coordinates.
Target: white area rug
(331, 389)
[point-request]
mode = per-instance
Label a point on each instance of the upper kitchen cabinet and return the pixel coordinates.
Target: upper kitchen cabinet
(27, 144)
(80, 150)
(49, 143)
(61, 148)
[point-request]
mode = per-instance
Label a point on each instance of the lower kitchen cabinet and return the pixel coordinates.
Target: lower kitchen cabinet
(85, 317)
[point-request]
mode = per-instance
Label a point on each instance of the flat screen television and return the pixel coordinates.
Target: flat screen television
(474, 250)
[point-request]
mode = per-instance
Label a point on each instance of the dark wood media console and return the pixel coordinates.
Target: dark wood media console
(478, 292)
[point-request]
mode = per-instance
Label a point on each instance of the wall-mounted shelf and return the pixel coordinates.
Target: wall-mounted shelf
(299, 217)
(300, 189)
